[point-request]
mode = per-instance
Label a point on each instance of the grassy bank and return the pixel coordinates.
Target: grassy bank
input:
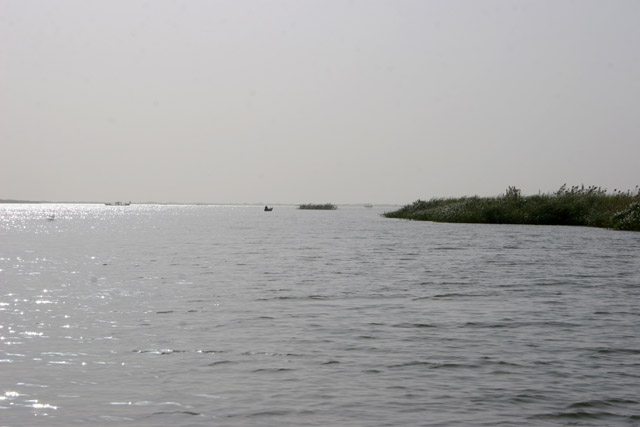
(322, 207)
(591, 206)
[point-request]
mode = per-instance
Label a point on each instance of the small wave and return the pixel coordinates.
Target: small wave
(162, 351)
(430, 365)
(273, 370)
(67, 354)
(414, 325)
(498, 363)
(269, 353)
(165, 351)
(558, 324)
(578, 415)
(221, 362)
(269, 413)
(288, 297)
(178, 413)
(529, 398)
(602, 403)
(449, 295)
(632, 351)
(457, 295)
(485, 325)
(508, 323)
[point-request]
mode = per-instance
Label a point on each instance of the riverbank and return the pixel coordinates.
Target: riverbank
(591, 206)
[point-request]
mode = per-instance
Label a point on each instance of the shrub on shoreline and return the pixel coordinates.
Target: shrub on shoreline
(591, 206)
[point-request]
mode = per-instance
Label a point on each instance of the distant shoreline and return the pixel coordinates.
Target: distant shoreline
(24, 202)
(262, 204)
(591, 207)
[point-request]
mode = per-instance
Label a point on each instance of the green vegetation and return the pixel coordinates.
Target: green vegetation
(322, 207)
(592, 206)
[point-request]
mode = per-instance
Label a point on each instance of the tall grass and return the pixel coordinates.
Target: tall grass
(590, 206)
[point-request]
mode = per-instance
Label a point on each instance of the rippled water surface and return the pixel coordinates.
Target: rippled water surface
(231, 316)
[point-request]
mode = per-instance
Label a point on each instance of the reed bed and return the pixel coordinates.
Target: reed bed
(578, 205)
(322, 207)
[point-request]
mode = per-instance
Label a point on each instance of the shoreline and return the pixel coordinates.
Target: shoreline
(579, 206)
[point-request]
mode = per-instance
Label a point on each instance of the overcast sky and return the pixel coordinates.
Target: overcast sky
(363, 101)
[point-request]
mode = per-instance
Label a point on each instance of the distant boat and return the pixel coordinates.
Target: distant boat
(268, 209)
(51, 217)
(118, 204)
(368, 205)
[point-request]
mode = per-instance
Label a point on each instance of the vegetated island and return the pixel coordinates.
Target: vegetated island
(320, 207)
(591, 207)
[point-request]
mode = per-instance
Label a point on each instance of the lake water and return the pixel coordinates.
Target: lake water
(230, 316)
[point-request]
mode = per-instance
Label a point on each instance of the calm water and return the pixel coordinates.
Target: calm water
(230, 316)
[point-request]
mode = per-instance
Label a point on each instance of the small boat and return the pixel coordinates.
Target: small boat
(51, 217)
(368, 205)
(118, 204)
(268, 209)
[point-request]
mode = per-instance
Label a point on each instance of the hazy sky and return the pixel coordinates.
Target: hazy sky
(340, 101)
